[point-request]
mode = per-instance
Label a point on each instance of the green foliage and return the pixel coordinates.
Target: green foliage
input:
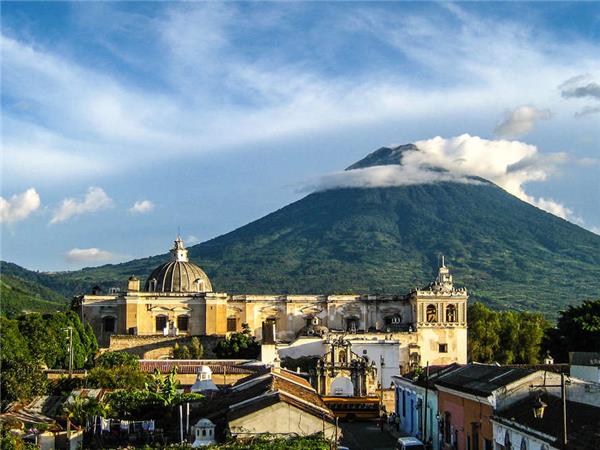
(22, 295)
(22, 379)
(508, 253)
(156, 400)
(11, 441)
(79, 409)
(505, 337)
(192, 351)
(117, 370)
(110, 360)
(120, 377)
(316, 442)
(578, 330)
(240, 345)
(47, 339)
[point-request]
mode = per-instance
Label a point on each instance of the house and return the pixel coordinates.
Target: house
(469, 396)
(536, 423)
(274, 401)
(416, 403)
(585, 366)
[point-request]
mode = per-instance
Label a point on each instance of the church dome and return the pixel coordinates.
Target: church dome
(178, 275)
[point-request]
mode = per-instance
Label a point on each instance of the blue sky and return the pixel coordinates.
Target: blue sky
(122, 122)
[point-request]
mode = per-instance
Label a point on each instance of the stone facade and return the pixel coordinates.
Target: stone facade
(430, 324)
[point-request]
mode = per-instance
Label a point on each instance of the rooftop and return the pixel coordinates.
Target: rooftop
(583, 421)
(481, 379)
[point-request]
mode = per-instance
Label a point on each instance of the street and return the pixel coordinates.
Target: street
(366, 435)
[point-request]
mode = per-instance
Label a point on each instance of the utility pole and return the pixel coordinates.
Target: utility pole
(69, 331)
(425, 406)
(381, 366)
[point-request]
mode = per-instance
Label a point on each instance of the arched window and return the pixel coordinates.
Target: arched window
(108, 324)
(152, 285)
(161, 323)
(451, 315)
(351, 324)
(183, 323)
(199, 282)
(431, 314)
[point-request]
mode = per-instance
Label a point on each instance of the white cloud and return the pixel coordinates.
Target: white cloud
(509, 164)
(521, 121)
(192, 240)
(142, 207)
(19, 206)
(92, 254)
(95, 200)
(385, 176)
(210, 82)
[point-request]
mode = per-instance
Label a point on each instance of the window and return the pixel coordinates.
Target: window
(161, 323)
(108, 324)
(488, 445)
(443, 348)
(523, 444)
(183, 323)
(403, 403)
(431, 314)
(447, 428)
(152, 285)
(451, 315)
(352, 324)
(231, 324)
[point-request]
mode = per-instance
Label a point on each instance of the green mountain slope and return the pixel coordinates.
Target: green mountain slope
(507, 252)
(19, 295)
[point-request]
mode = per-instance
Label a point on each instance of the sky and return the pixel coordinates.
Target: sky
(124, 124)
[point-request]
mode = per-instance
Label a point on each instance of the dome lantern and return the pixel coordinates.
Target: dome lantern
(178, 274)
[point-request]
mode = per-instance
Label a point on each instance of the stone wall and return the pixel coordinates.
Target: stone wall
(157, 346)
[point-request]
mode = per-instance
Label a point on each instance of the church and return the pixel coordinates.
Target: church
(429, 323)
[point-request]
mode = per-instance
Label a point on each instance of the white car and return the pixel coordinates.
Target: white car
(409, 443)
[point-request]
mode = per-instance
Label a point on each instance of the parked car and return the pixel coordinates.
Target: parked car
(409, 443)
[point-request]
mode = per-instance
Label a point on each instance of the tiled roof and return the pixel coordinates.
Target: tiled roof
(191, 366)
(264, 389)
(583, 421)
(481, 379)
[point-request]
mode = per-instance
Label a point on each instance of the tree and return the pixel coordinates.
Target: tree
(79, 409)
(192, 351)
(578, 330)
(505, 337)
(196, 349)
(240, 345)
(110, 360)
(22, 377)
